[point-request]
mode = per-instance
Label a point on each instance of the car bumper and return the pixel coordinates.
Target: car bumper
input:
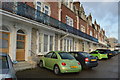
(93, 64)
(104, 57)
(70, 70)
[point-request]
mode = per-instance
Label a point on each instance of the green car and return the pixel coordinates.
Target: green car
(60, 62)
(99, 55)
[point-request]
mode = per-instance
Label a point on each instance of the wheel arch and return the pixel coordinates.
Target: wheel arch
(43, 62)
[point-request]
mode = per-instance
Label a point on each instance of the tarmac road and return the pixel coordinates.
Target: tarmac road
(105, 69)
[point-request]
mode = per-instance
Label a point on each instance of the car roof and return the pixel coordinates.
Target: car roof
(3, 54)
(57, 51)
(77, 52)
(103, 49)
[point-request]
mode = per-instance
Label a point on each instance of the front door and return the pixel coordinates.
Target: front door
(20, 47)
(4, 42)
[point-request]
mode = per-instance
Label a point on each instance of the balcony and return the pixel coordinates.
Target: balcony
(26, 11)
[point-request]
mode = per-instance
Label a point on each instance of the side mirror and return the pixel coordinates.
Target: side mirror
(14, 62)
(44, 55)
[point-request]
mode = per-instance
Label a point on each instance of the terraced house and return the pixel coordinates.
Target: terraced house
(35, 28)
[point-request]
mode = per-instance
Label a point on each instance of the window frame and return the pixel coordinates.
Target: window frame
(83, 28)
(48, 54)
(53, 57)
(46, 9)
(44, 43)
(69, 21)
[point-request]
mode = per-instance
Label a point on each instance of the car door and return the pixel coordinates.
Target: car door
(47, 59)
(54, 60)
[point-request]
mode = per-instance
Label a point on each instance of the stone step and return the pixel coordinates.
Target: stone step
(24, 65)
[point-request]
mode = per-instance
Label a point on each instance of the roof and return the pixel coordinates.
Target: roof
(78, 51)
(3, 54)
(57, 51)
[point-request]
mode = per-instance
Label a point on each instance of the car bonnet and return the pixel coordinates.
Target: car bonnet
(5, 73)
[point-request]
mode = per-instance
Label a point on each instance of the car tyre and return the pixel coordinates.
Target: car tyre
(56, 70)
(41, 64)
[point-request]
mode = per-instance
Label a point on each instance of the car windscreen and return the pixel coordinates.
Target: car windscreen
(4, 62)
(65, 55)
(102, 52)
(85, 54)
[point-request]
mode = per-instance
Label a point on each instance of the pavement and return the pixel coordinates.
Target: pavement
(106, 69)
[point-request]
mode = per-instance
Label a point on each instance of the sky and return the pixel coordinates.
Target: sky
(105, 13)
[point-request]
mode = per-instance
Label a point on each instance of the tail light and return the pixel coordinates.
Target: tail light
(86, 60)
(79, 64)
(8, 79)
(64, 64)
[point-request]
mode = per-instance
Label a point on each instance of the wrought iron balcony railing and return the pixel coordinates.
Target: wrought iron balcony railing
(26, 11)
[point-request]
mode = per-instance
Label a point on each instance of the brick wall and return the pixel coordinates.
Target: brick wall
(54, 10)
(30, 4)
(84, 23)
(68, 12)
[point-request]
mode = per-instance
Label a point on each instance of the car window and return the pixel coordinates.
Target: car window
(54, 56)
(4, 62)
(105, 50)
(48, 55)
(74, 54)
(65, 55)
(93, 53)
(102, 52)
(85, 54)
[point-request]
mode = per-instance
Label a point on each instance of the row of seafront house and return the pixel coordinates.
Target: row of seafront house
(35, 28)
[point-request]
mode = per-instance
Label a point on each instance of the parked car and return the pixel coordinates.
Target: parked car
(109, 54)
(60, 62)
(99, 55)
(114, 53)
(7, 71)
(117, 51)
(86, 60)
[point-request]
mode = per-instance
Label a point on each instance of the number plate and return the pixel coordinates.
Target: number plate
(74, 66)
(110, 54)
(93, 59)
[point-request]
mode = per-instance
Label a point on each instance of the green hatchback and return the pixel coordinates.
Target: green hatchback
(60, 62)
(99, 55)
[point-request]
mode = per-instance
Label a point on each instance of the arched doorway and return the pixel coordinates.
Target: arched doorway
(20, 45)
(4, 39)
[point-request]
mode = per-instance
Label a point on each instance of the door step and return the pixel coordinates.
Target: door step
(24, 65)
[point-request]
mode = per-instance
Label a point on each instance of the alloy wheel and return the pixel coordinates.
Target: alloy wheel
(56, 70)
(41, 64)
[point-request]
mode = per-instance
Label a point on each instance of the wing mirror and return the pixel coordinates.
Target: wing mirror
(44, 55)
(14, 62)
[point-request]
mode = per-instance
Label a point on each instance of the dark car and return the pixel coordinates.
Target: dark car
(117, 51)
(86, 60)
(114, 53)
(7, 71)
(107, 51)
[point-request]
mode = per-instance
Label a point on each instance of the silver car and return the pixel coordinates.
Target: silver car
(7, 71)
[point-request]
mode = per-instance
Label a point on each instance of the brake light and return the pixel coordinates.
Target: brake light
(86, 59)
(8, 79)
(64, 64)
(79, 64)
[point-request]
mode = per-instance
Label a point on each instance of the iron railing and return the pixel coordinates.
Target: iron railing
(26, 11)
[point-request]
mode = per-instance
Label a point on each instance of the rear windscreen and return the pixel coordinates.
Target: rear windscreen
(65, 55)
(102, 52)
(3, 62)
(85, 54)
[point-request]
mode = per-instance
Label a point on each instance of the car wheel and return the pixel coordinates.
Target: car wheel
(41, 64)
(56, 70)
